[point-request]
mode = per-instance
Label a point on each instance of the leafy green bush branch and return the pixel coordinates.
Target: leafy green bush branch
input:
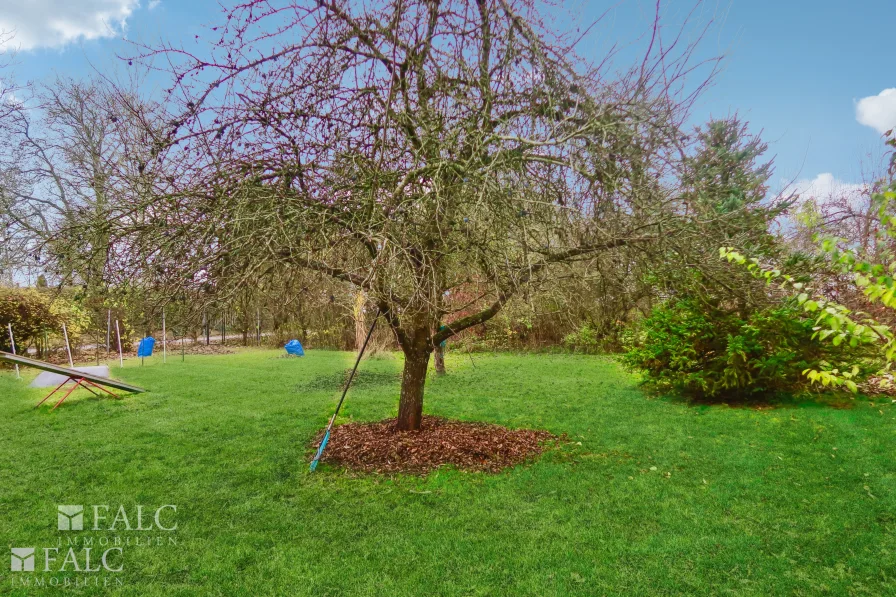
(835, 322)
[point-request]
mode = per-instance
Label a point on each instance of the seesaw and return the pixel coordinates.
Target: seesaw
(88, 381)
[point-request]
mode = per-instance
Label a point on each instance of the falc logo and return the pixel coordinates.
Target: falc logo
(104, 518)
(110, 560)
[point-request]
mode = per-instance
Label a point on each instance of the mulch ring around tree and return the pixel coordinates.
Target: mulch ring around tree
(379, 447)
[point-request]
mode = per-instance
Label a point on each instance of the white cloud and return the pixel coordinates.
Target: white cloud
(153, 4)
(56, 23)
(826, 188)
(878, 111)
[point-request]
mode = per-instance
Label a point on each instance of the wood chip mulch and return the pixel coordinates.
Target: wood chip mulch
(379, 447)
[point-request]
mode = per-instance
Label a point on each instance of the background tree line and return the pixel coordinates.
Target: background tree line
(456, 168)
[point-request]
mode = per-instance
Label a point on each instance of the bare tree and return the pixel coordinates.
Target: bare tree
(848, 212)
(850, 215)
(409, 148)
(68, 153)
(11, 251)
(8, 85)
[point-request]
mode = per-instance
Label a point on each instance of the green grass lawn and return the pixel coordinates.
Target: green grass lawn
(649, 497)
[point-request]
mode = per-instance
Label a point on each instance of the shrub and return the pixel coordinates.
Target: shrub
(712, 352)
(585, 339)
(856, 276)
(33, 313)
(30, 314)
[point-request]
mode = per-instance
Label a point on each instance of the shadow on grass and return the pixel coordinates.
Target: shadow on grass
(838, 401)
(337, 380)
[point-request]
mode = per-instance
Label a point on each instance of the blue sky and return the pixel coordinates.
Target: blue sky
(797, 70)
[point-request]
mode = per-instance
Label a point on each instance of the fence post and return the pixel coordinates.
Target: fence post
(68, 348)
(13, 343)
(118, 334)
(164, 339)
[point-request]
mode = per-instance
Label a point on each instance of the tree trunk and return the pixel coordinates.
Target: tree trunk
(360, 319)
(413, 380)
(440, 360)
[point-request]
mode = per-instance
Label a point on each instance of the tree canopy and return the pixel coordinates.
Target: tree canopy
(412, 149)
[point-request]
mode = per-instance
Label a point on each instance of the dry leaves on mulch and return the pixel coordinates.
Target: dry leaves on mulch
(379, 447)
(879, 385)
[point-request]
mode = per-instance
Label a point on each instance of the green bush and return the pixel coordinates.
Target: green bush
(35, 313)
(30, 314)
(712, 352)
(585, 339)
